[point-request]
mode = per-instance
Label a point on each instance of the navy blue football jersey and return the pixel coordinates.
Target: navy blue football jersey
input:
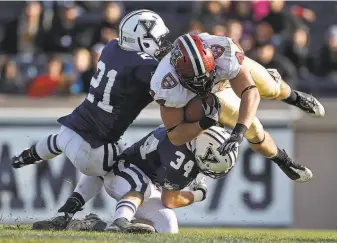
(119, 91)
(169, 166)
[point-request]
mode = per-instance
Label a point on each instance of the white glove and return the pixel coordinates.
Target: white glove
(198, 185)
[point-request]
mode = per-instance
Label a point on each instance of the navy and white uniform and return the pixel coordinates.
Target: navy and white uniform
(153, 161)
(148, 165)
(168, 166)
(119, 91)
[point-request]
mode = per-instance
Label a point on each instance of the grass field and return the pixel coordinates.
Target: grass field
(22, 234)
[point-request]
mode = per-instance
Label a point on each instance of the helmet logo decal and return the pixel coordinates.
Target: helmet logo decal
(175, 55)
(148, 25)
(209, 156)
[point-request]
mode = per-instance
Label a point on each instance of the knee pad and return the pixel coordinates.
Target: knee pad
(254, 130)
(267, 81)
(169, 223)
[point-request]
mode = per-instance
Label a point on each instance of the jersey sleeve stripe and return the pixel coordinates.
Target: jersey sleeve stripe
(141, 179)
(127, 177)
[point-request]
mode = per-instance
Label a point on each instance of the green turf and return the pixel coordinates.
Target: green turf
(22, 234)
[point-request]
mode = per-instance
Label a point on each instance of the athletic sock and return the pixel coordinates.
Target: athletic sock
(279, 157)
(292, 99)
(47, 147)
(125, 209)
(88, 187)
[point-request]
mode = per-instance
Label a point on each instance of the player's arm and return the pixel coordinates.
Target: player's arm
(178, 199)
(181, 132)
(244, 86)
(178, 131)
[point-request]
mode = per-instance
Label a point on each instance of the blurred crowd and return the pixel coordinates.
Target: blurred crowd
(51, 48)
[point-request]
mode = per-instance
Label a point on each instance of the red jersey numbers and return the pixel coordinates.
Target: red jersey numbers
(239, 54)
(169, 82)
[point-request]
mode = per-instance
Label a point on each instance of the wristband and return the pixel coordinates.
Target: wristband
(206, 123)
(198, 195)
(240, 128)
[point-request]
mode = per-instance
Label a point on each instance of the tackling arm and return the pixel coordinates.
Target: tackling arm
(178, 131)
(178, 199)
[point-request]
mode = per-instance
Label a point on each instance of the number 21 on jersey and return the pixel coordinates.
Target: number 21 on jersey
(109, 79)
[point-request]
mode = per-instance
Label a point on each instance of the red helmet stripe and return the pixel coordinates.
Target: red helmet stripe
(198, 53)
(182, 39)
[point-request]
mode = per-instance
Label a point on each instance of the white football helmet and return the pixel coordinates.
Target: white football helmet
(209, 160)
(144, 30)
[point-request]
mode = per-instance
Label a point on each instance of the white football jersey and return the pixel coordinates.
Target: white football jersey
(165, 86)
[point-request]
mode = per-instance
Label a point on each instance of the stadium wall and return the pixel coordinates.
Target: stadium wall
(255, 193)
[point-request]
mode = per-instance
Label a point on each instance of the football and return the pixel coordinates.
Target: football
(194, 111)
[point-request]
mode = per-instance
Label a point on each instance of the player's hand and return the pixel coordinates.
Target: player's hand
(200, 183)
(212, 111)
(232, 144)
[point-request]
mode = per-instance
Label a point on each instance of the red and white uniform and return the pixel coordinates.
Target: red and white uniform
(165, 85)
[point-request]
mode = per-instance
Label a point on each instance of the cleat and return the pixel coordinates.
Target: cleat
(91, 222)
(309, 104)
(113, 229)
(24, 159)
(57, 223)
(294, 171)
(127, 227)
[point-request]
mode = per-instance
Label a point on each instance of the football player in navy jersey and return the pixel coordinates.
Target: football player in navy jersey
(149, 177)
(119, 91)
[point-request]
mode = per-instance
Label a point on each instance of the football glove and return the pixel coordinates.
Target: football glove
(234, 141)
(211, 113)
(200, 183)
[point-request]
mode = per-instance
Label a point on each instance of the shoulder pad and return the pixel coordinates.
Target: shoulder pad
(228, 55)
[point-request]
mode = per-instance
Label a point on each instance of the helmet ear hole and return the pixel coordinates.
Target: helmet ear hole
(147, 45)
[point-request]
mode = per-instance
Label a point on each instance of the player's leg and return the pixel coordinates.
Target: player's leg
(130, 187)
(87, 188)
(163, 219)
(259, 140)
(45, 149)
(271, 86)
(89, 161)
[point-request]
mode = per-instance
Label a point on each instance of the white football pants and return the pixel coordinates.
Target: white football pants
(89, 161)
(126, 177)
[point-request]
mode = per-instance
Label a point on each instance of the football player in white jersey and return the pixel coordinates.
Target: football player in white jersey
(202, 64)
